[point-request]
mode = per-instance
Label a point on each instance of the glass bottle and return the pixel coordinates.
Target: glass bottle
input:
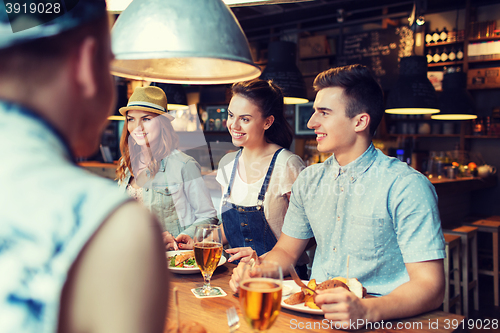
(444, 35)
(436, 36)
(452, 56)
(460, 54)
(437, 56)
(429, 56)
(444, 55)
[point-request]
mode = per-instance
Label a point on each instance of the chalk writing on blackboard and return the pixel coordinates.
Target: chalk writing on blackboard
(380, 50)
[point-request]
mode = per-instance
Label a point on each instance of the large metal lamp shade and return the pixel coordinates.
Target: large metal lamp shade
(455, 101)
(282, 69)
(413, 92)
(180, 41)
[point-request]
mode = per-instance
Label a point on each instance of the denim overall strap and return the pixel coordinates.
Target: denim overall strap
(247, 226)
(260, 198)
(231, 179)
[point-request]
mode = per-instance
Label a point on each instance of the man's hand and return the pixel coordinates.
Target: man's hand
(342, 306)
(184, 242)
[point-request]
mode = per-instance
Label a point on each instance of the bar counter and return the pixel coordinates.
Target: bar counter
(211, 312)
(455, 197)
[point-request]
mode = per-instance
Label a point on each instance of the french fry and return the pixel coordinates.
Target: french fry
(311, 284)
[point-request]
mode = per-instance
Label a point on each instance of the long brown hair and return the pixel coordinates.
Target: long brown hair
(169, 140)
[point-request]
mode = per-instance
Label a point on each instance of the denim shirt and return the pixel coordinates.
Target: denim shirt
(177, 195)
(377, 210)
(49, 209)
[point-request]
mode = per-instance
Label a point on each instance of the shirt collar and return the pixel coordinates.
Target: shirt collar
(357, 167)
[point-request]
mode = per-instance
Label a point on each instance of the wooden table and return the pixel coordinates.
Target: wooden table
(211, 312)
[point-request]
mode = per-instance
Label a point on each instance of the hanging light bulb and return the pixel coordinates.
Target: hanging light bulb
(282, 69)
(413, 92)
(455, 101)
(173, 41)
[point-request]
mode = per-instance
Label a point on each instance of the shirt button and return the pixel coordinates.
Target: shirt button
(334, 249)
(338, 218)
(341, 189)
(243, 224)
(240, 209)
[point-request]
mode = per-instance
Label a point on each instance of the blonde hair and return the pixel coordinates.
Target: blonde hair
(169, 140)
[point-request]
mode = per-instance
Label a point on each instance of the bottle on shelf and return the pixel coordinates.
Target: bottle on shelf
(437, 56)
(429, 56)
(452, 56)
(436, 36)
(460, 54)
(444, 35)
(428, 38)
(444, 55)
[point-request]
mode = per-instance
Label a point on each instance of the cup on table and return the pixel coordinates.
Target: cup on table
(260, 294)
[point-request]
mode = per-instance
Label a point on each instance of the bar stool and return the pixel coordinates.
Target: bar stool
(452, 247)
(492, 227)
(468, 235)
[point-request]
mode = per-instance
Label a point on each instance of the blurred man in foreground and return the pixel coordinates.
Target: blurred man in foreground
(75, 255)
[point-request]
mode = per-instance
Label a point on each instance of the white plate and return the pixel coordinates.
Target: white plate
(182, 270)
(301, 307)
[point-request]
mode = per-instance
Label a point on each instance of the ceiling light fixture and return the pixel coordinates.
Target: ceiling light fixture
(172, 41)
(455, 101)
(282, 69)
(413, 92)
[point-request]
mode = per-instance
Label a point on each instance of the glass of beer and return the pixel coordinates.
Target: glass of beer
(207, 252)
(260, 294)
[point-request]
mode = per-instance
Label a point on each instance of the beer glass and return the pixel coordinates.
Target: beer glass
(207, 252)
(260, 294)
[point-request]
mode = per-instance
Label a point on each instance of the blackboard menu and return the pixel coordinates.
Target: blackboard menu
(379, 50)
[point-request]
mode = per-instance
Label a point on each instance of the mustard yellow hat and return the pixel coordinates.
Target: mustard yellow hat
(150, 99)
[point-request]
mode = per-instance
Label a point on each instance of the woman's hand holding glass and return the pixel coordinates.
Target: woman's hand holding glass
(207, 252)
(260, 294)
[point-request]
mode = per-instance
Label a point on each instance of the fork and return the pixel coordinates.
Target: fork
(233, 321)
(297, 280)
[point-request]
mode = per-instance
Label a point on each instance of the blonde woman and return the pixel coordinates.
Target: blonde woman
(153, 171)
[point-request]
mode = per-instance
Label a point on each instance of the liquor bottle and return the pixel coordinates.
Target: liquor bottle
(444, 35)
(437, 56)
(460, 54)
(436, 36)
(444, 55)
(429, 56)
(452, 56)
(428, 38)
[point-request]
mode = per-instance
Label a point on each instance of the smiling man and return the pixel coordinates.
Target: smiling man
(364, 205)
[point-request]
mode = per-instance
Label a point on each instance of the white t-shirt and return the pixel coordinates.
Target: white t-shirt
(286, 169)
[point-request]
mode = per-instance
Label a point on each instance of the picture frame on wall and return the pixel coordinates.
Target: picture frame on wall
(303, 113)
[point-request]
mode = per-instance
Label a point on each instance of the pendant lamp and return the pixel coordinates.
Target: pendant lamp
(180, 41)
(176, 96)
(455, 101)
(282, 69)
(413, 92)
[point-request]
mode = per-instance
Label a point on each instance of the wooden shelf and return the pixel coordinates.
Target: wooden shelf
(484, 39)
(444, 43)
(446, 63)
(482, 136)
(483, 60)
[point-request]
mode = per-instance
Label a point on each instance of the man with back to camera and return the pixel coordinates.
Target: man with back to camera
(365, 205)
(75, 254)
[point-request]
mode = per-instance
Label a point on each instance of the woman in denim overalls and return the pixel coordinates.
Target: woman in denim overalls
(257, 179)
(167, 181)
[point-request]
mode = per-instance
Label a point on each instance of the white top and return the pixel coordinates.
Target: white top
(286, 169)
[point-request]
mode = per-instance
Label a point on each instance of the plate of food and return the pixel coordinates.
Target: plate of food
(183, 262)
(301, 300)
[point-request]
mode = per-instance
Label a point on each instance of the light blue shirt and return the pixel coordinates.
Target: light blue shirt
(49, 209)
(377, 210)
